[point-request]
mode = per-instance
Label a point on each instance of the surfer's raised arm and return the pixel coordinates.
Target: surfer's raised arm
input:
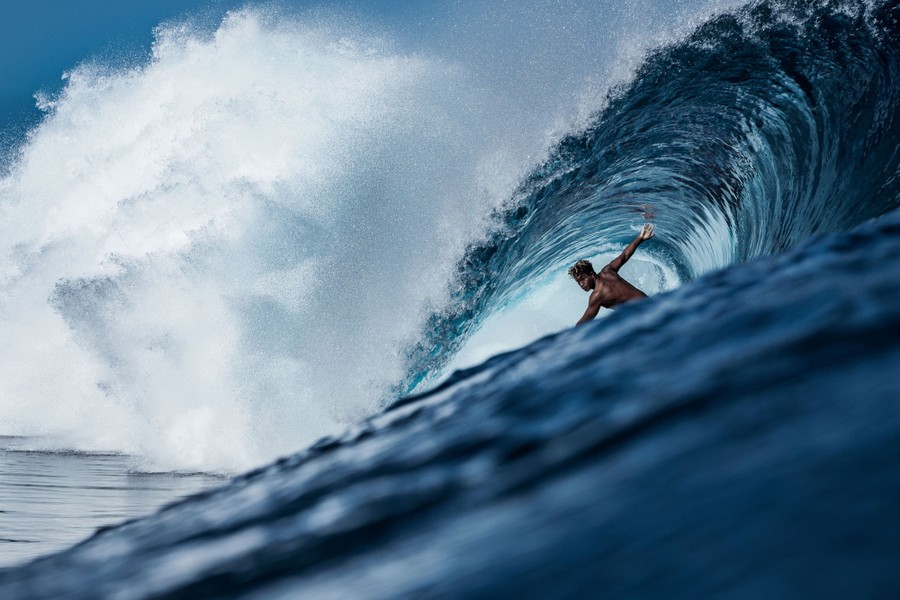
(645, 234)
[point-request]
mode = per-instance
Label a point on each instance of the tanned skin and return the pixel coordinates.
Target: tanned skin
(609, 289)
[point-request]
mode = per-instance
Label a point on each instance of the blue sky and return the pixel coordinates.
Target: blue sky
(41, 39)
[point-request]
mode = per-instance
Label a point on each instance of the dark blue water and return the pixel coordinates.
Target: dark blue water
(735, 437)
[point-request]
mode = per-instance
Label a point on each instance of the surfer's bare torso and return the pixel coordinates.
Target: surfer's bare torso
(608, 289)
(611, 290)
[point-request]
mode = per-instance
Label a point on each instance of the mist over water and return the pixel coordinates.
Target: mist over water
(201, 258)
(217, 257)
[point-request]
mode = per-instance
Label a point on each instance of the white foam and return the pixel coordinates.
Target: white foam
(215, 258)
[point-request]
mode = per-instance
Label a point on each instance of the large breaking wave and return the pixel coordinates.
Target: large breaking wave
(219, 256)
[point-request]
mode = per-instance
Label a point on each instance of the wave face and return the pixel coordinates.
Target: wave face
(761, 128)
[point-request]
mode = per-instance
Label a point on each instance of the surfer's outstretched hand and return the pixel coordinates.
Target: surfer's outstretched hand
(646, 232)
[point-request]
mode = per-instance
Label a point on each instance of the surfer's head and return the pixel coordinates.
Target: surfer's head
(583, 273)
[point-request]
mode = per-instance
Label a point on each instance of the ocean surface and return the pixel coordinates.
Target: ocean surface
(51, 500)
(283, 238)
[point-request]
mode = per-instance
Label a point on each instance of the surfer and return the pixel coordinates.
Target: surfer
(609, 288)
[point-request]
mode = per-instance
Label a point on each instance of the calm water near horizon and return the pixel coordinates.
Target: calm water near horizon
(52, 500)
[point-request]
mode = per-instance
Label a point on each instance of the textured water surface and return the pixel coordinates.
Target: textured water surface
(50, 500)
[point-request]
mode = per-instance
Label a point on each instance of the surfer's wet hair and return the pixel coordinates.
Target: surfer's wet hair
(581, 268)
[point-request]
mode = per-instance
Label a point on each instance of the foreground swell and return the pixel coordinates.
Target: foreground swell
(736, 435)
